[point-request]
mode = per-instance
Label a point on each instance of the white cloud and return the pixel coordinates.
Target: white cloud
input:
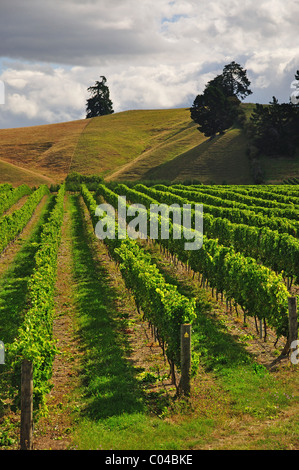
(49, 97)
(153, 87)
(20, 104)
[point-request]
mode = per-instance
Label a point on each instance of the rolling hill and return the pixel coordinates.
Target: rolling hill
(133, 145)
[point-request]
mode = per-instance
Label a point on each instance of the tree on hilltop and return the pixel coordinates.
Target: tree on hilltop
(213, 111)
(219, 106)
(99, 104)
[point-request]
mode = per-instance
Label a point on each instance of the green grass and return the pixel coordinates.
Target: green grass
(159, 145)
(252, 388)
(219, 161)
(118, 141)
(140, 432)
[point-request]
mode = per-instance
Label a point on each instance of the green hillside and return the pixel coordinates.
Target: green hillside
(122, 140)
(133, 145)
(160, 144)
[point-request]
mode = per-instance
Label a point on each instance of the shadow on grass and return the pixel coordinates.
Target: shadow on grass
(109, 380)
(173, 168)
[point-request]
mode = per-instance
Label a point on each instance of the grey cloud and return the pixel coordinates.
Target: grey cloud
(73, 32)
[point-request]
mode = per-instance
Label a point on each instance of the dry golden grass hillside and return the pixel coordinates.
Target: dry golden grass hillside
(41, 153)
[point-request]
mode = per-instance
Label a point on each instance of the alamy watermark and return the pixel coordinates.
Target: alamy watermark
(294, 352)
(186, 222)
(295, 94)
(2, 92)
(2, 353)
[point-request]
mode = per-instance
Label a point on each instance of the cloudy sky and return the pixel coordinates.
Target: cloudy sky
(154, 54)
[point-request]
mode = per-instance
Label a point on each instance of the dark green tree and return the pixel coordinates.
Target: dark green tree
(99, 103)
(274, 128)
(219, 106)
(213, 111)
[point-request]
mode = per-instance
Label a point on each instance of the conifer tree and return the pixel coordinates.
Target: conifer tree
(99, 103)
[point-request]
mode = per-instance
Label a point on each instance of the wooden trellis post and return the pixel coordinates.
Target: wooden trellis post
(26, 405)
(184, 387)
